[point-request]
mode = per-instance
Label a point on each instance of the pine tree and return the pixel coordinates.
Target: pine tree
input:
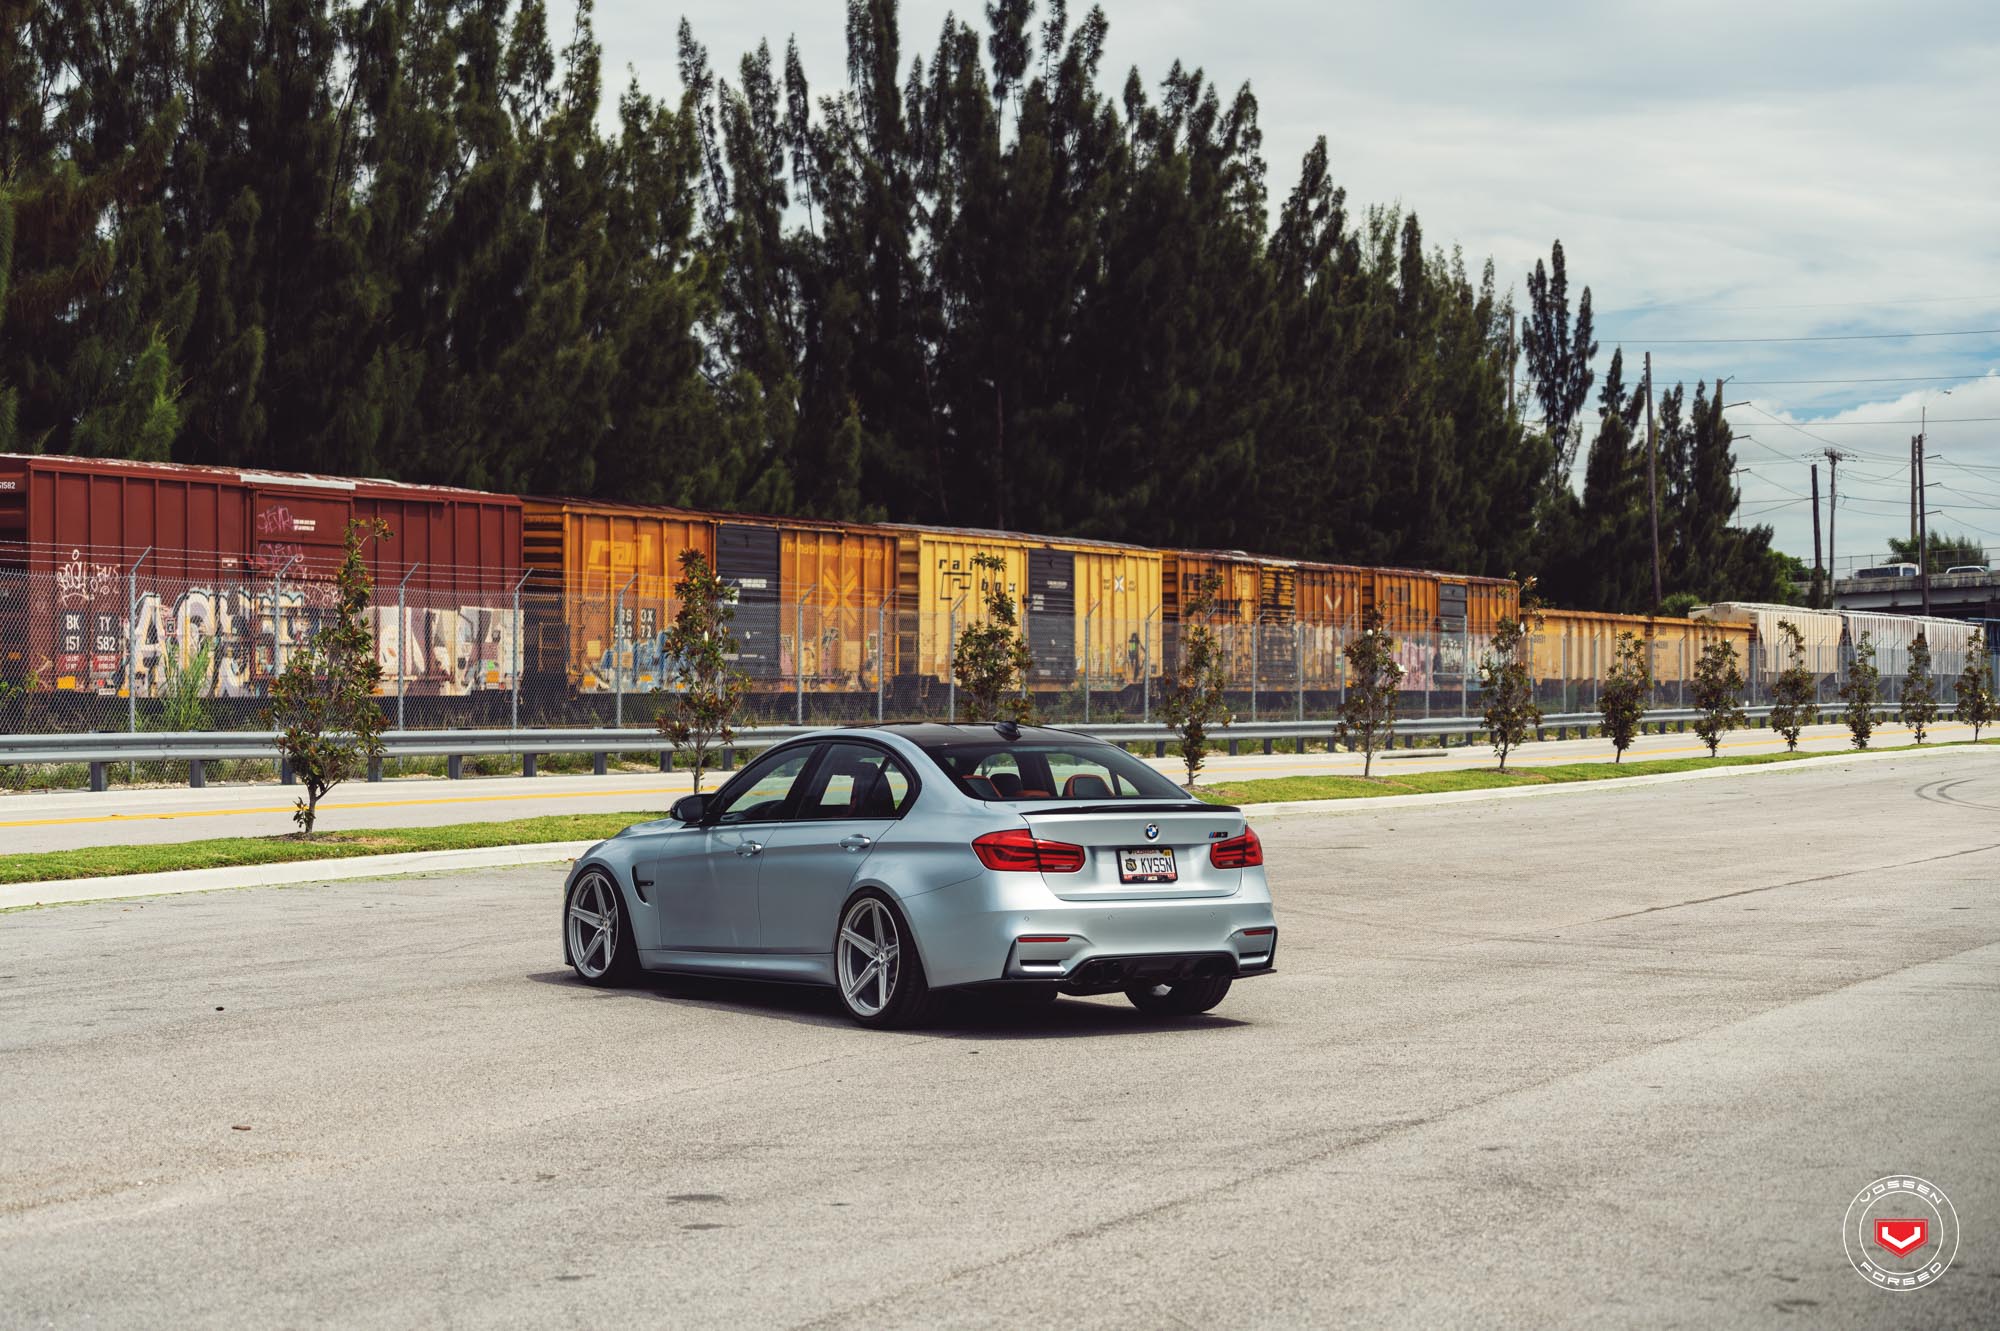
(1558, 356)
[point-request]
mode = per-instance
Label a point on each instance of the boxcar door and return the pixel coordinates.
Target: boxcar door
(1052, 613)
(746, 558)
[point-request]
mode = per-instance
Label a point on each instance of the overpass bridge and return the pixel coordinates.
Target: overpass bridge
(1974, 596)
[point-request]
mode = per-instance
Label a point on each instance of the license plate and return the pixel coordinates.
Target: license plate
(1149, 865)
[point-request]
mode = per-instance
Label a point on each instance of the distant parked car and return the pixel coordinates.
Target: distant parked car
(1957, 569)
(888, 862)
(1888, 571)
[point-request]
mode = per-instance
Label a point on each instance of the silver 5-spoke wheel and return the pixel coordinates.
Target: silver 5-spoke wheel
(881, 980)
(600, 946)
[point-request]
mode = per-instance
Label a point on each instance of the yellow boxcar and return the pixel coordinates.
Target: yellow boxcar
(1081, 602)
(836, 589)
(1579, 645)
(1117, 610)
(593, 562)
(940, 591)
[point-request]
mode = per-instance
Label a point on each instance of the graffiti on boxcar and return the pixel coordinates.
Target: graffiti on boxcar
(445, 651)
(448, 651)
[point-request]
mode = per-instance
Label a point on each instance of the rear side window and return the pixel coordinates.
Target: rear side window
(857, 781)
(1082, 771)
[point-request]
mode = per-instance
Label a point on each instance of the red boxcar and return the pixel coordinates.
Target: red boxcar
(110, 566)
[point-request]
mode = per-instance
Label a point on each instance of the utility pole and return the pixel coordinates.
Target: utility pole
(1511, 316)
(1923, 527)
(1915, 467)
(1819, 576)
(1834, 457)
(1653, 479)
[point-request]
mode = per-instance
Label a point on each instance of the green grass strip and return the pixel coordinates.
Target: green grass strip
(104, 861)
(1273, 790)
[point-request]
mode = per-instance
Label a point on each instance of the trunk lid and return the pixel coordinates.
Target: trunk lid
(1107, 831)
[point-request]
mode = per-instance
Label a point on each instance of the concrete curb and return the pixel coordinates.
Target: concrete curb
(117, 887)
(1361, 804)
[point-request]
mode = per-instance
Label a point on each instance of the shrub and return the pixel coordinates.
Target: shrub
(1194, 703)
(991, 660)
(1506, 681)
(700, 644)
(1976, 705)
(1374, 684)
(323, 702)
(1718, 694)
(1795, 693)
(1860, 691)
(1919, 707)
(1627, 688)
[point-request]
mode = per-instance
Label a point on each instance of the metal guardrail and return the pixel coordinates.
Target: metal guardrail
(197, 748)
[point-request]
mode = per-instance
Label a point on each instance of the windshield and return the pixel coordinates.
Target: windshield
(995, 770)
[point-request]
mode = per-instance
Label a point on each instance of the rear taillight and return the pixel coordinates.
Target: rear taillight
(1239, 852)
(1019, 851)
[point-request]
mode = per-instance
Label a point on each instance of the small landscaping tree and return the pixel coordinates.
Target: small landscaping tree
(1919, 707)
(1374, 685)
(1976, 705)
(1194, 702)
(699, 644)
(1627, 688)
(1506, 678)
(1718, 694)
(992, 660)
(323, 702)
(1860, 692)
(1795, 693)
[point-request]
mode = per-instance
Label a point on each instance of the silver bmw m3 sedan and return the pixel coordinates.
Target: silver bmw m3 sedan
(892, 862)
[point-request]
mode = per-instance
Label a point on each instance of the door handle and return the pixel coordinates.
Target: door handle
(748, 848)
(855, 842)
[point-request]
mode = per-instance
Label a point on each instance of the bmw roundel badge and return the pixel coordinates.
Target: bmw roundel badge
(1152, 831)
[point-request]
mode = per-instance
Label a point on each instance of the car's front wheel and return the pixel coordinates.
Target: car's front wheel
(1182, 998)
(597, 933)
(877, 970)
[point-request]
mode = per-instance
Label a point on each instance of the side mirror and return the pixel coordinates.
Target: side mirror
(689, 808)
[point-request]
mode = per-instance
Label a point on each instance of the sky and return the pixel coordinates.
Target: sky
(1747, 170)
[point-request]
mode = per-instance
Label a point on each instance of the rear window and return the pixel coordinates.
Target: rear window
(1000, 771)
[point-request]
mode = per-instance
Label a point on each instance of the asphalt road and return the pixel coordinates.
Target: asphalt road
(1612, 1056)
(65, 821)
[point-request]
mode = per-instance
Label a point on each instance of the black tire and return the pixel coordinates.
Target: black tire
(873, 917)
(582, 907)
(1182, 998)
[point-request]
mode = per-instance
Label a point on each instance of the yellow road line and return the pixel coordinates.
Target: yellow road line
(358, 804)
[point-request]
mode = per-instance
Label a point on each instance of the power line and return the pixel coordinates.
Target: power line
(1885, 379)
(1820, 305)
(1820, 337)
(1942, 420)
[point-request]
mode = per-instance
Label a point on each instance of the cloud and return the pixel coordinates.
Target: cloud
(1794, 167)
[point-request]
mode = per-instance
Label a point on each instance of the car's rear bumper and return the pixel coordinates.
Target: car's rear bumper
(1015, 932)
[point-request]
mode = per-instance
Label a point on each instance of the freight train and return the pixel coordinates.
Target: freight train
(112, 572)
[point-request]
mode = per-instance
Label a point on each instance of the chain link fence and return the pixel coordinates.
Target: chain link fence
(99, 647)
